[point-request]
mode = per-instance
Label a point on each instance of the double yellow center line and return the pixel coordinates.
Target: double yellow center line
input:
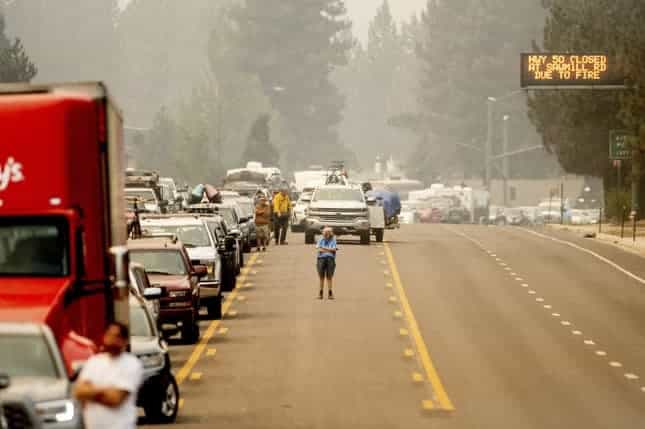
(442, 400)
(212, 328)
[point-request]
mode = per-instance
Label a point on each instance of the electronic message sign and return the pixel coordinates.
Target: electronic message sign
(569, 70)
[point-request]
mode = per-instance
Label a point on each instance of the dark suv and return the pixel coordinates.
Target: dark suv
(168, 267)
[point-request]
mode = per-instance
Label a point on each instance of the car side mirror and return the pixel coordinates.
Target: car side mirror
(5, 381)
(200, 270)
(152, 293)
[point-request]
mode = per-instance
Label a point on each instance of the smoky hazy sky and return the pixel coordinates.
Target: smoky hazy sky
(362, 11)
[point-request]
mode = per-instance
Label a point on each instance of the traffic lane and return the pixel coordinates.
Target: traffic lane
(631, 260)
(503, 362)
(601, 303)
(290, 360)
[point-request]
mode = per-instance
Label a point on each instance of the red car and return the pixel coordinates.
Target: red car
(168, 266)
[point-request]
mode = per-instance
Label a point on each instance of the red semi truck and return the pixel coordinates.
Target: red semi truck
(63, 259)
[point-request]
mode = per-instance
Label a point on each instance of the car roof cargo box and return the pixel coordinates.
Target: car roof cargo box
(141, 179)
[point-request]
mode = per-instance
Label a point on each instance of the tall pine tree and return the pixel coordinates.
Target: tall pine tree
(15, 65)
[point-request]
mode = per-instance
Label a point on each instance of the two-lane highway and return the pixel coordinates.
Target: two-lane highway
(442, 326)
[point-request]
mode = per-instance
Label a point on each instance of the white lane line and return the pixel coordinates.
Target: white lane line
(519, 279)
(525, 285)
(601, 353)
(589, 252)
(555, 314)
(630, 376)
(508, 269)
(513, 274)
(539, 299)
(615, 364)
(565, 323)
(589, 342)
(532, 292)
(548, 306)
(576, 332)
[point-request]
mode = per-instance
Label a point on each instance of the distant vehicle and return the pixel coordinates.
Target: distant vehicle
(309, 178)
(237, 223)
(401, 186)
(516, 216)
(408, 212)
(201, 246)
(159, 394)
(343, 208)
(582, 217)
(31, 366)
(298, 220)
(227, 249)
(169, 268)
(145, 198)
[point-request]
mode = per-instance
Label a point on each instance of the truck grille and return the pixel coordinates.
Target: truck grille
(16, 416)
(338, 218)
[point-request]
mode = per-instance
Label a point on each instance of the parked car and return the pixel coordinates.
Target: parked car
(247, 211)
(516, 216)
(159, 394)
(298, 219)
(201, 246)
(168, 266)
(31, 366)
(227, 247)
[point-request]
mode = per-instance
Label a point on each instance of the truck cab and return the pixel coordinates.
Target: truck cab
(63, 260)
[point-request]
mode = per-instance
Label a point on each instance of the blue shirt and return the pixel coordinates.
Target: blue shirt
(329, 244)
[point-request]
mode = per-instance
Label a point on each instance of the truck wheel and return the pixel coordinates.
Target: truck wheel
(310, 238)
(365, 238)
(214, 308)
(190, 331)
(379, 235)
(164, 406)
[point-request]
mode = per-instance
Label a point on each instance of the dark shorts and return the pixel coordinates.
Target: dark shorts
(326, 267)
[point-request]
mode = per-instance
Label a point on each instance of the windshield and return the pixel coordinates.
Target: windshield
(34, 247)
(246, 206)
(189, 235)
(228, 215)
(167, 262)
(145, 195)
(338, 194)
(140, 325)
(26, 356)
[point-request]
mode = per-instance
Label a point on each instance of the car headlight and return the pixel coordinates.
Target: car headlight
(153, 360)
(178, 293)
(58, 411)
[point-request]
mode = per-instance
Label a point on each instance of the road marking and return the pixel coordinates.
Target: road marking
(403, 332)
(195, 376)
(525, 285)
(539, 299)
(198, 350)
(386, 273)
(548, 306)
(231, 313)
(519, 279)
(392, 299)
(502, 264)
(615, 364)
(532, 292)
(255, 273)
(509, 269)
(431, 373)
(428, 405)
(589, 252)
(513, 274)
(576, 332)
(555, 314)
(388, 285)
(383, 262)
(493, 255)
(222, 331)
(211, 352)
(417, 377)
(565, 323)
(601, 353)
(589, 342)
(398, 314)
(408, 353)
(181, 403)
(630, 376)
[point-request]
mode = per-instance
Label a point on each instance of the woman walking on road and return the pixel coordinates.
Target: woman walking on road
(326, 262)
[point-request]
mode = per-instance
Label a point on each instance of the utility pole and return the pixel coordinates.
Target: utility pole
(505, 160)
(489, 140)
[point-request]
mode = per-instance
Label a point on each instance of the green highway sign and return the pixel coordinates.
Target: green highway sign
(620, 144)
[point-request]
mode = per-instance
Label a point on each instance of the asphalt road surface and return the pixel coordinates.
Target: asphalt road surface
(441, 327)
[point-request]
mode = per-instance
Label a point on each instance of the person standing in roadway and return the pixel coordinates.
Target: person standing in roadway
(281, 210)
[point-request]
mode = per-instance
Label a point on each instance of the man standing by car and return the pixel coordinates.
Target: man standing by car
(108, 383)
(281, 210)
(262, 220)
